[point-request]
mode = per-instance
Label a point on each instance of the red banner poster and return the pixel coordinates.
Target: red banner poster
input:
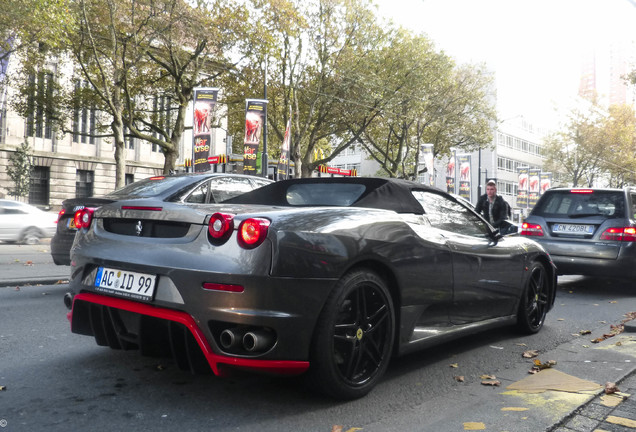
(464, 176)
(534, 186)
(522, 188)
(450, 175)
(546, 182)
(255, 117)
(204, 109)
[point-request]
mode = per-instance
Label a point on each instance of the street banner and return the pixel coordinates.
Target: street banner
(534, 186)
(464, 176)
(546, 182)
(255, 117)
(450, 175)
(427, 158)
(283, 161)
(204, 110)
(522, 187)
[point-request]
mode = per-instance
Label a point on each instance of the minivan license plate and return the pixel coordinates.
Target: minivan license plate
(139, 286)
(573, 229)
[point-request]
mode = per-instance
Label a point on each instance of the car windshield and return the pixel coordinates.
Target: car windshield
(324, 194)
(575, 204)
(149, 187)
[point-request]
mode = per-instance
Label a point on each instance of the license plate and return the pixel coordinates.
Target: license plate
(573, 229)
(139, 286)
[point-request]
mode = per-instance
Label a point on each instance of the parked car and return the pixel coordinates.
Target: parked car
(24, 223)
(207, 187)
(587, 231)
(329, 276)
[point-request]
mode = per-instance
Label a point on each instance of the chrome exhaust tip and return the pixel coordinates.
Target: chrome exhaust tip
(258, 340)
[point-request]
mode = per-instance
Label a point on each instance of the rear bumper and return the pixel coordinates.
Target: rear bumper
(61, 248)
(622, 267)
(83, 301)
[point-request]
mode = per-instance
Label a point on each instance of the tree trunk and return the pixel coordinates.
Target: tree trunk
(117, 127)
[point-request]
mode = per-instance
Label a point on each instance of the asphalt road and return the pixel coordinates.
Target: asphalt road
(55, 380)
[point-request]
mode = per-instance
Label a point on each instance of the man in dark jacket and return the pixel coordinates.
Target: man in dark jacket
(492, 206)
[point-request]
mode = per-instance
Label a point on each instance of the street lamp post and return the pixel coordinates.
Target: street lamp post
(264, 159)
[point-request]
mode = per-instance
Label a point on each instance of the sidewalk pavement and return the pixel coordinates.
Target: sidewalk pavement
(599, 415)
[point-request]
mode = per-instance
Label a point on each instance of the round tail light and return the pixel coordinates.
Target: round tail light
(221, 226)
(252, 232)
(83, 218)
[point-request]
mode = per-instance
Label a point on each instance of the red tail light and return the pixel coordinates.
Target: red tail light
(83, 218)
(627, 234)
(529, 229)
(59, 215)
(252, 232)
(221, 226)
(581, 191)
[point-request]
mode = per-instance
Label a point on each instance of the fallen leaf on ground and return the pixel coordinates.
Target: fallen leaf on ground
(28, 263)
(459, 378)
(521, 344)
(610, 388)
(3, 388)
(454, 365)
(336, 428)
(496, 347)
(488, 377)
(538, 366)
(613, 301)
(474, 426)
(614, 330)
(530, 354)
(493, 383)
(622, 421)
(629, 316)
(585, 332)
(612, 400)
(561, 319)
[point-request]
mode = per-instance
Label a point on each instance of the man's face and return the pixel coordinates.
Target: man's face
(491, 191)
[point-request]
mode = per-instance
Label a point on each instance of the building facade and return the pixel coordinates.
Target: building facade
(76, 164)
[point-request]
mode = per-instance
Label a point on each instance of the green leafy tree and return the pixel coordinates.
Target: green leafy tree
(427, 99)
(315, 54)
(27, 22)
(189, 46)
(618, 139)
(575, 152)
(19, 171)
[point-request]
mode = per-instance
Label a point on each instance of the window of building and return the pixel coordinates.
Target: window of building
(39, 187)
(129, 178)
(84, 183)
(84, 119)
(40, 106)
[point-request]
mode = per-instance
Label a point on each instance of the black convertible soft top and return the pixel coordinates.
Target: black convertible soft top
(368, 192)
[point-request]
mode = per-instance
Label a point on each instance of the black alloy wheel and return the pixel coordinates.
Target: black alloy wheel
(354, 337)
(534, 303)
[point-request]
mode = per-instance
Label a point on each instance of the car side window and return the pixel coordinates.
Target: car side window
(199, 195)
(448, 215)
(633, 208)
(223, 188)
